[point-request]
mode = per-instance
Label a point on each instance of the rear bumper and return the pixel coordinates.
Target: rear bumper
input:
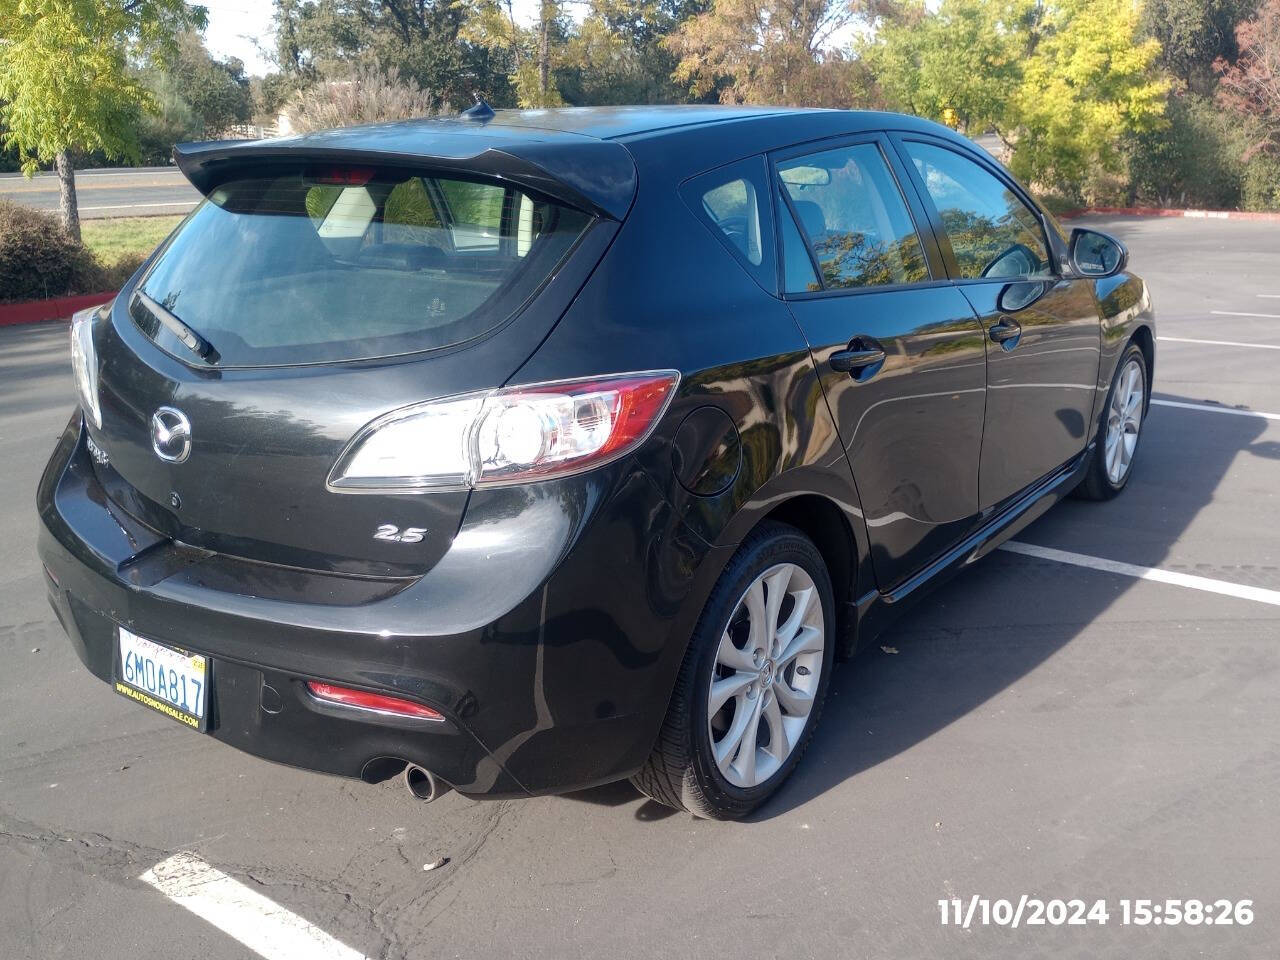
(548, 636)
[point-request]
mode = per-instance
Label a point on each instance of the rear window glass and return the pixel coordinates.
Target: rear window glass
(305, 267)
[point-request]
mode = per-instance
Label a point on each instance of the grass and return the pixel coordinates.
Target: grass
(125, 239)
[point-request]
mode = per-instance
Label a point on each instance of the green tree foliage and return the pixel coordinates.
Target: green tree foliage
(771, 51)
(1087, 83)
(1193, 162)
(535, 55)
(617, 55)
(66, 83)
(1062, 81)
(193, 97)
(965, 58)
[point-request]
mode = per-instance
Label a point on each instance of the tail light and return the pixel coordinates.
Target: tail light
(513, 435)
(84, 363)
(364, 700)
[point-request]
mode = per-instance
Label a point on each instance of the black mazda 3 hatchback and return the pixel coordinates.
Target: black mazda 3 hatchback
(523, 452)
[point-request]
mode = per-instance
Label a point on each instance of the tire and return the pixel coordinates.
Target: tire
(779, 690)
(1100, 480)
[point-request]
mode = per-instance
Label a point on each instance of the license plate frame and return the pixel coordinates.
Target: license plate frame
(185, 669)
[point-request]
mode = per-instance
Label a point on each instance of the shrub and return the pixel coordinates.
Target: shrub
(39, 260)
(1261, 189)
(1194, 162)
(370, 96)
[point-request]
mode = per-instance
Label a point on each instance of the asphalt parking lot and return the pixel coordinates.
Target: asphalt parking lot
(1038, 727)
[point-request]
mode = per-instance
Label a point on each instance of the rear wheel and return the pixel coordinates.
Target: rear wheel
(752, 683)
(1120, 430)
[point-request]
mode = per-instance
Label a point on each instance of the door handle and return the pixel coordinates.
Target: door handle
(1004, 330)
(857, 359)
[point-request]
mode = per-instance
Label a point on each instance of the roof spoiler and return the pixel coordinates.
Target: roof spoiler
(596, 176)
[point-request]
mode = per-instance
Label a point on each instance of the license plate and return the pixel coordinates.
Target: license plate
(170, 681)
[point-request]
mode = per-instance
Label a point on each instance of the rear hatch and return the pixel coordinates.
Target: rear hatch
(317, 288)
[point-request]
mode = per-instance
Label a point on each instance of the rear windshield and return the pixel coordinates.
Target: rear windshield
(312, 266)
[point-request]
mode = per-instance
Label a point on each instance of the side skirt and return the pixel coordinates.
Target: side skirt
(877, 610)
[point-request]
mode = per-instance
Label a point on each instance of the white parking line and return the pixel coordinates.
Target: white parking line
(266, 928)
(1227, 589)
(1215, 408)
(1220, 343)
(1237, 313)
(1269, 296)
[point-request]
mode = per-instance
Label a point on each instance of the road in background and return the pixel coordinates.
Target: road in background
(1034, 728)
(140, 192)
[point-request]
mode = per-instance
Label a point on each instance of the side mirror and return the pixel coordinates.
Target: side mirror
(1096, 255)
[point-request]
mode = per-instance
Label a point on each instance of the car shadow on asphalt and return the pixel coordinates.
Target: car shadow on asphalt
(982, 631)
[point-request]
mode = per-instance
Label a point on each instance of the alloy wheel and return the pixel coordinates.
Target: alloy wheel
(1124, 420)
(766, 675)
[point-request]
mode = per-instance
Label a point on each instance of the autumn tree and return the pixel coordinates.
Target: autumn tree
(769, 51)
(66, 84)
(1251, 86)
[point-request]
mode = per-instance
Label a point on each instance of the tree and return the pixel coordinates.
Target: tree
(617, 55)
(1193, 35)
(1063, 82)
(420, 40)
(769, 51)
(1251, 86)
(1088, 83)
(964, 58)
(535, 55)
(216, 90)
(66, 84)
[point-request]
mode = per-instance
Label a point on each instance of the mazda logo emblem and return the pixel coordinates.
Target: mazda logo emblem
(171, 435)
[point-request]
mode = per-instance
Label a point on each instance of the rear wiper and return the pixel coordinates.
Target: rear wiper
(197, 344)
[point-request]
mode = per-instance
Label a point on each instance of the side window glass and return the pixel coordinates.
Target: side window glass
(735, 210)
(992, 232)
(797, 268)
(733, 203)
(852, 213)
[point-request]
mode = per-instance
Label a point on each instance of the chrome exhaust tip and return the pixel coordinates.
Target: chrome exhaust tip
(423, 784)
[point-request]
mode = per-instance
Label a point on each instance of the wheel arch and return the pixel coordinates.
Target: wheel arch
(825, 523)
(1145, 338)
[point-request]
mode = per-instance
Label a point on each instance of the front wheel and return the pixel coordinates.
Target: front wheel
(752, 683)
(1120, 430)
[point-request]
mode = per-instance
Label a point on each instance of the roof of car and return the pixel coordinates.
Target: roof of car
(611, 123)
(574, 154)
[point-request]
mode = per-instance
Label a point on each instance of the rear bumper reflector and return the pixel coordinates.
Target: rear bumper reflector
(376, 702)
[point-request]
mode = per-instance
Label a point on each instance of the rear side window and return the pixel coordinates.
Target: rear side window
(732, 201)
(992, 232)
(849, 208)
(306, 267)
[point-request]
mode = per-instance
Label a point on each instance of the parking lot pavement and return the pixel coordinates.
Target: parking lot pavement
(1036, 728)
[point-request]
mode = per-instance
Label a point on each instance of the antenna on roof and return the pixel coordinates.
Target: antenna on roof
(478, 111)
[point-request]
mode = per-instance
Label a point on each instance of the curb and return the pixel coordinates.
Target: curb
(58, 308)
(1172, 212)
